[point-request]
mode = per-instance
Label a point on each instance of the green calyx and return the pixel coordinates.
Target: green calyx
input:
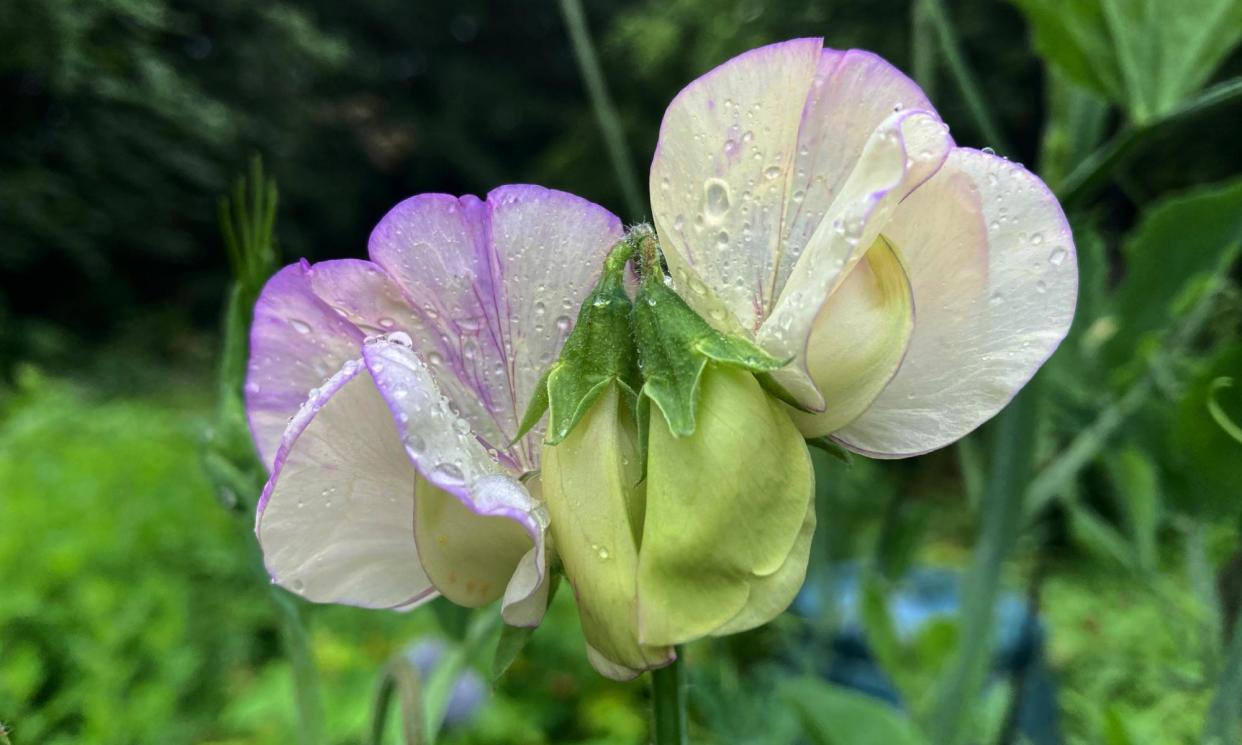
(599, 350)
(675, 344)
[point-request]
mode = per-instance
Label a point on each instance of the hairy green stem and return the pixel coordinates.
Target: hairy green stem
(605, 111)
(951, 49)
(668, 703)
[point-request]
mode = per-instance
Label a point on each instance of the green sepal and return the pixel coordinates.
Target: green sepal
(599, 350)
(513, 639)
(675, 344)
(827, 445)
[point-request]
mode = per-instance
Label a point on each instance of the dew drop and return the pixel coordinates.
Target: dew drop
(387, 322)
(1041, 287)
(435, 359)
(1037, 239)
(989, 151)
(447, 474)
(563, 323)
(772, 172)
(1057, 257)
(715, 198)
(996, 299)
(297, 585)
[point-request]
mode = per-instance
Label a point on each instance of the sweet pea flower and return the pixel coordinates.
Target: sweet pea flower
(384, 397)
(812, 200)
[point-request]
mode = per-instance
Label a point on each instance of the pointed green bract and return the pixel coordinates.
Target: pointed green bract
(674, 346)
(599, 350)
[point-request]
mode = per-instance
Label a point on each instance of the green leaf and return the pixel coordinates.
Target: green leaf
(832, 715)
(513, 639)
(1136, 484)
(1180, 244)
(599, 350)
(1145, 56)
(675, 345)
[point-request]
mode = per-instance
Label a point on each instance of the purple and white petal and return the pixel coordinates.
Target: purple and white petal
(336, 520)
(475, 523)
(495, 285)
(991, 264)
(296, 343)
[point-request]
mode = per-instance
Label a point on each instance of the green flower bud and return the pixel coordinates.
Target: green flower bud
(592, 492)
(729, 514)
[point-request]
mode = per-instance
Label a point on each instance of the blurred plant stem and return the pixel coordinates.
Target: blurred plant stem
(1226, 711)
(1085, 180)
(922, 49)
(247, 222)
(937, 19)
(668, 703)
(605, 112)
(1084, 448)
(1013, 439)
(401, 677)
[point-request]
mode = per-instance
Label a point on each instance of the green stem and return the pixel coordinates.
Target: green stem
(1097, 168)
(1013, 440)
(605, 111)
(922, 50)
(305, 676)
(1226, 710)
(668, 703)
(951, 48)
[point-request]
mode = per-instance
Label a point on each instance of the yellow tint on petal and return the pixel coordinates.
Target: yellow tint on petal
(726, 507)
(468, 557)
(590, 487)
(859, 339)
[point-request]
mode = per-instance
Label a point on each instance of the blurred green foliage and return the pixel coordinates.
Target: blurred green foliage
(132, 608)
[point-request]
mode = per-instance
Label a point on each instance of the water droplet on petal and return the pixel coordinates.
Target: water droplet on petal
(715, 199)
(1057, 257)
(302, 327)
(447, 474)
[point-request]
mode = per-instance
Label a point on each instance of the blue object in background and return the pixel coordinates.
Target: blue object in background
(922, 596)
(469, 690)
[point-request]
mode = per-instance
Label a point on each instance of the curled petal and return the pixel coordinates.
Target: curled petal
(336, 520)
(898, 157)
(992, 268)
(770, 595)
(858, 340)
(494, 285)
(296, 343)
(475, 523)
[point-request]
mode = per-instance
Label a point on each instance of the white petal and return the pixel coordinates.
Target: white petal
(336, 520)
(992, 266)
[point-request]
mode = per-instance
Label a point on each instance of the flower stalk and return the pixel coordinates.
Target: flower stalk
(668, 703)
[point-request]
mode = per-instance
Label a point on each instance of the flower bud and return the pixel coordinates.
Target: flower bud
(590, 487)
(729, 514)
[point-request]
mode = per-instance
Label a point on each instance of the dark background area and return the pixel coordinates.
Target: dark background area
(123, 121)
